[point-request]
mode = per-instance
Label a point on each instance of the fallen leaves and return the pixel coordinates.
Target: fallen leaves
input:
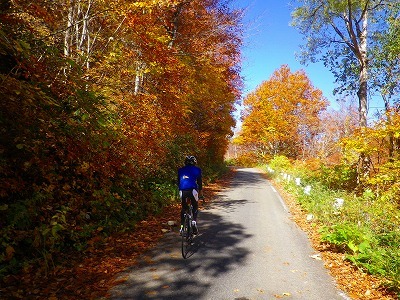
(280, 296)
(90, 275)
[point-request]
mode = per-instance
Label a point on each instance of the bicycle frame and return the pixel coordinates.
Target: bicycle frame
(187, 233)
(189, 213)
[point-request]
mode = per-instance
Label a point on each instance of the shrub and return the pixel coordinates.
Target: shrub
(280, 163)
(338, 177)
(365, 227)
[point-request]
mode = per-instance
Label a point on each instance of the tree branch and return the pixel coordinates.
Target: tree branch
(343, 37)
(350, 30)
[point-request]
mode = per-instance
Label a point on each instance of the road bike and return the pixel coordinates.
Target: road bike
(187, 230)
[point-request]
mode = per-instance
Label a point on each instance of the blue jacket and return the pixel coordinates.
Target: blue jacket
(189, 177)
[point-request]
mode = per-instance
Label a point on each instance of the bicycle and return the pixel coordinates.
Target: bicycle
(187, 230)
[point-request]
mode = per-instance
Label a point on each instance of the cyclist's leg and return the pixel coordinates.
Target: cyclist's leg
(183, 194)
(195, 203)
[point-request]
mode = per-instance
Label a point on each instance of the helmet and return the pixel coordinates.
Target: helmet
(190, 160)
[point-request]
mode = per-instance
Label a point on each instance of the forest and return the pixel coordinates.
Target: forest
(100, 103)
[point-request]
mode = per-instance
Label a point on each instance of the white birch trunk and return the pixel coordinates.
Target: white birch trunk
(67, 36)
(362, 91)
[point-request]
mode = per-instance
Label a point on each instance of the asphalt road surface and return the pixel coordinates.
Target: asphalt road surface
(247, 248)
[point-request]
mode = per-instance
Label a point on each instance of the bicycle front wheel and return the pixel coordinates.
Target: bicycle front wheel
(187, 236)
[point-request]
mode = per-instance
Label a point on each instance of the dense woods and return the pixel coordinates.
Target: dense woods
(100, 101)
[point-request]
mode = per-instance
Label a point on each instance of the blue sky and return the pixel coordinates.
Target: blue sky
(271, 42)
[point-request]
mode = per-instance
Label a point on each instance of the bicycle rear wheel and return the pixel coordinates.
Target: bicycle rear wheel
(187, 236)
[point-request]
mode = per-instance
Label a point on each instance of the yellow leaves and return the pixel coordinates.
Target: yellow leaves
(148, 6)
(366, 141)
(282, 110)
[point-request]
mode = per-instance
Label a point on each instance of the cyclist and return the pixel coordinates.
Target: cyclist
(190, 186)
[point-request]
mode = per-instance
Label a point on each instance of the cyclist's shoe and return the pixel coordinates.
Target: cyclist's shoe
(195, 229)
(181, 230)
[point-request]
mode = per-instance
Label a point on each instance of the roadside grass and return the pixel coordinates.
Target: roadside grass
(365, 228)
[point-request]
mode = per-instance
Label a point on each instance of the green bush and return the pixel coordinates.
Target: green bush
(347, 237)
(338, 177)
(280, 163)
(366, 227)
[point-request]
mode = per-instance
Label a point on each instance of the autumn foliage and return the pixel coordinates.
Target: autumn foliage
(100, 101)
(282, 116)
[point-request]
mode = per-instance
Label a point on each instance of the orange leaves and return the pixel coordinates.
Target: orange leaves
(108, 102)
(283, 114)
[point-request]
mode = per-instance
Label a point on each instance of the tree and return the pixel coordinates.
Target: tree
(386, 63)
(386, 76)
(282, 115)
(335, 125)
(340, 33)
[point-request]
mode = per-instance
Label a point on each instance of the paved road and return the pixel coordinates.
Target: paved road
(248, 248)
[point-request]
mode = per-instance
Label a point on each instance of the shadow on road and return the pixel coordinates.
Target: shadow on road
(247, 178)
(225, 204)
(164, 274)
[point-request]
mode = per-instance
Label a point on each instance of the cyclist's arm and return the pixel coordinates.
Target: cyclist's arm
(199, 182)
(200, 186)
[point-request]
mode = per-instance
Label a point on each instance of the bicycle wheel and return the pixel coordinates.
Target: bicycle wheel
(187, 236)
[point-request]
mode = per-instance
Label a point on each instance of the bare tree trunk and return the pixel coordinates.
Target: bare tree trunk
(67, 35)
(86, 35)
(138, 78)
(77, 14)
(364, 162)
(78, 34)
(362, 91)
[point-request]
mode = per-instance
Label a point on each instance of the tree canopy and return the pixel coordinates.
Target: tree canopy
(342, 34)
(282, 115)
